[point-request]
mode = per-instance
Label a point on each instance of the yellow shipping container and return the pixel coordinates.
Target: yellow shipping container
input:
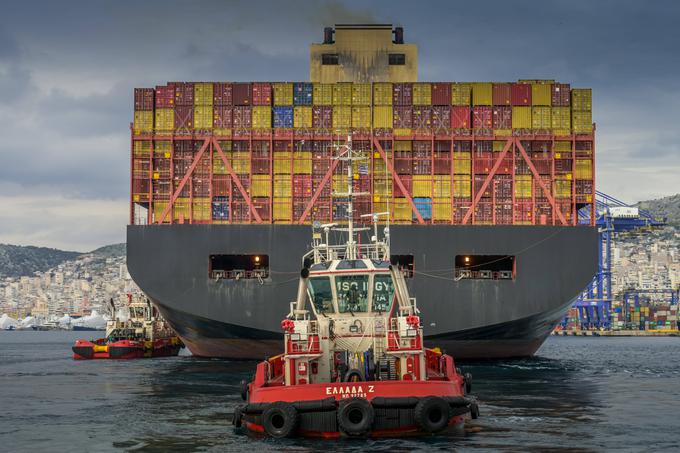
(521, 117)
(562, 187)
(181, 208)
(158, 208)
(162, 148)
(523, 186)
(561, 118)
(441, 186)
(203, 117)
(361, 117)
(322, 94)
(582, 99)
(342, 93)
(302, 117)
(584, 169)
(382, 93)
(582, 122)
(218, 166)
(361, 94)
(461, 94)
(143, 122)
(562, 146)
(382, 186)
(283, 93)
(240, 162)
(342, 117)
(203, 93)
(382, 117)
(540, 117)
(422, 186)
(302, 162)
(402, 132)
(339, 183)
(283, 186)
(142, 148)
(541, 94)
(462, 166)
(261, 186)
(441, 209)
(165, 120)
(422, 94)
(283, 208)
(283, 162)
(262, 117)
(201, 209)
(482, 93)
(462, 187)
(403, 145)
(402, 210)
(498, 145)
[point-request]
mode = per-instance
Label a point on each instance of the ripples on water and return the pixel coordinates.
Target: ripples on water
(578, 394)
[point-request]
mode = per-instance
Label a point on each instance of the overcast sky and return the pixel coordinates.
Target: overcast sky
(67, 71)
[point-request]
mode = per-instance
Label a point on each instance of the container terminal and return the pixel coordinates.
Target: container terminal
(485, 184)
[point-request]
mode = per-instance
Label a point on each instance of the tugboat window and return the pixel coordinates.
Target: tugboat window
(397, 59)
(321, 293)
(237, 267)
(405, 263)
(352, 293)
(330, 59)
(383, 293)
(485, 267)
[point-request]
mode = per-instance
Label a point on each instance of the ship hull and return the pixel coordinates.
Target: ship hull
(472, 319)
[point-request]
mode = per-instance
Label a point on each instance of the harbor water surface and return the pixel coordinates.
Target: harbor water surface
(588, 394)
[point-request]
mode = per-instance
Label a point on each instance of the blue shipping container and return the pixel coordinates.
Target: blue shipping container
(424, 206)
(283, 117)
(302, 93)
(220, 208)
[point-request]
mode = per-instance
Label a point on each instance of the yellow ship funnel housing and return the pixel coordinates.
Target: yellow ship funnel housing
(363, 53)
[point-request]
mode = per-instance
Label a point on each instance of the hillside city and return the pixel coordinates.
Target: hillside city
(641, 261)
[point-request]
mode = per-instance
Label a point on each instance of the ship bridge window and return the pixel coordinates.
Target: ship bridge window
(351, 264)
(237, 267)
(405, 263)
(397, 59)
(485, 267)
(352, 293)
(330, 59)
(321, 293)
(383, 293)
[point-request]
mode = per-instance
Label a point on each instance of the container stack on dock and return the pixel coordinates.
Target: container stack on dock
(452, 153)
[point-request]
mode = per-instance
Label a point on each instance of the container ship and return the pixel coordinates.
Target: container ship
(483, 183)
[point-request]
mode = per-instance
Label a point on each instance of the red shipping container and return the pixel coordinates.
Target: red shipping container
(242, 93)
(523, 211)
(406, 181)
(402, 117)
(184, 93)
(441, 118)
(502, 94)
(422, 166)
(502, 117)
(262, 206)
(422, 117)
(242, 117)
(260, 165)
(561, 94)
(503, 213)
(483, 212)
(482, 117)
(144, 98)
(165, 96)
(441, 94)
(222, 117)
(521, 94)
(402, 166)
(402, 94)
(184, 117)
(460, 117)
(222, 93)
(442, 166)
(262, 93)
(502, 187)
(302, 186)
(460, 209)
(322, 117)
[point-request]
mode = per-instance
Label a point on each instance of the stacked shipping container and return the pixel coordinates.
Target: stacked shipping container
(461, 153)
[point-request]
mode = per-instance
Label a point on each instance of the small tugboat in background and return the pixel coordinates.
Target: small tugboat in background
(142, 334)
(354, 362)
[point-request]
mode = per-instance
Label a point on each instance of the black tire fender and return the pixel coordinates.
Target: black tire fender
(474, 411)
(355, 416)
(468, 382)
(237, 421)
(432, 414)
(353, 375)
(244, 390)
(280, 419)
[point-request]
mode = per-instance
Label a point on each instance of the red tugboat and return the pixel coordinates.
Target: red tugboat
(354, 365)
(143, 334)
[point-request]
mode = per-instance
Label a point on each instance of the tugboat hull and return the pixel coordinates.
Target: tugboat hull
(126, 349)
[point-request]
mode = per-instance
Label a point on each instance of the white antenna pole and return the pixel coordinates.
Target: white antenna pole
(351, 251)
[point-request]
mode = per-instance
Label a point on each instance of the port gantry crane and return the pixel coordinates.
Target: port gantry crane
(613, 217)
